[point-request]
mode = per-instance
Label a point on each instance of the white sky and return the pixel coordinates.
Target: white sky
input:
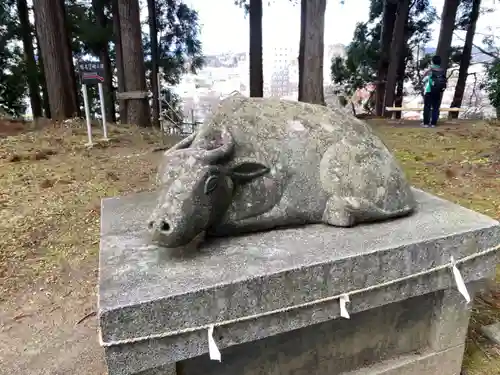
(224, 26)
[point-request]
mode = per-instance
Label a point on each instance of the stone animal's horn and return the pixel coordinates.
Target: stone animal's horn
(227, 146)
(184, 143)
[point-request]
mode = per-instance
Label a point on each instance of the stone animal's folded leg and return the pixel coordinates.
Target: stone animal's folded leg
(338, 212)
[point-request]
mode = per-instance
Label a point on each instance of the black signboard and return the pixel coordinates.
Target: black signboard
(91, 72)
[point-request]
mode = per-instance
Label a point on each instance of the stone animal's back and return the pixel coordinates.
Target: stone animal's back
(265, 124)
(326, 165)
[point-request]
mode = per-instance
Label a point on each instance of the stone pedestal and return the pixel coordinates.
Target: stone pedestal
(154, 311)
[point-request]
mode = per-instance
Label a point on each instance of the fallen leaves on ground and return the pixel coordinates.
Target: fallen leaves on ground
(51, 186)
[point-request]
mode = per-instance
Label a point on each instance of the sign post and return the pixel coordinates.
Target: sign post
(103, 112)
(91, 73)
(87, 114)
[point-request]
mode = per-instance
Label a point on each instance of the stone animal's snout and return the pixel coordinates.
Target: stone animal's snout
(174, 234)
(192, 184)
(198, 201)
(167, 234)
(160, 226)
(190, 205)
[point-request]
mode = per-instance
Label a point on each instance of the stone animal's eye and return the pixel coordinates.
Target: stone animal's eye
(211, 184)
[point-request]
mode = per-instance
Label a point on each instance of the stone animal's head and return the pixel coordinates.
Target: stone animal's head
(196, 189)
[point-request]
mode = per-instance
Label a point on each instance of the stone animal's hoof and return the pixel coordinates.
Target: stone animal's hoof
(338, 213)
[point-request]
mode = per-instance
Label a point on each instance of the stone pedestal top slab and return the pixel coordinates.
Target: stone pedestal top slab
(144, 292)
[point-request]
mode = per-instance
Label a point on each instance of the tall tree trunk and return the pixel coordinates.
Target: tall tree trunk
(53, 42)
(446, 33)
(397, 48)
(153, 35)
(119, 60)
(133, 62)
(67, 54)
(466, 57)
(398, 101)
(312, 46)
(256, 67)
(29, 57)
(41, 78)
(388, 21)
(102, 21)
(45, 93)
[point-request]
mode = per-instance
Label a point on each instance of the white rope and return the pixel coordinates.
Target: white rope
(450, 265)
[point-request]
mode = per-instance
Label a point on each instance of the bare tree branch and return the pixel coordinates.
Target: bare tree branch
(481, 49)
(488, 35)
(451, 71)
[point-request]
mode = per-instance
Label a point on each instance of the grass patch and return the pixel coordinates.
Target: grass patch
(51, 186)
(461, 164)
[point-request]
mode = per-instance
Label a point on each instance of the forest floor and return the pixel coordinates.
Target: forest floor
(50, 191)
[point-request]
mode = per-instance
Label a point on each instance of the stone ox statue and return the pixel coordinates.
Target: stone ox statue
(264, 163)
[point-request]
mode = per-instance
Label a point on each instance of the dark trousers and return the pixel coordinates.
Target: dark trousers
(431, 108)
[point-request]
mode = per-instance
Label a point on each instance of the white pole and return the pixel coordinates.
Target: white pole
(103, 111)
(87, 114)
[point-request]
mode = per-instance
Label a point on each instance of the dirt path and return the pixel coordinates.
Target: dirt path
(40, 333)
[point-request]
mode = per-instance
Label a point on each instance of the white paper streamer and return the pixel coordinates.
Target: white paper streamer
(344, 300)
(213, 350)
(459, 281)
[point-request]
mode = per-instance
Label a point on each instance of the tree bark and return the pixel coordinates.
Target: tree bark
(29, 57)
(52, 37)
(119, 60)
(133, 61)
(466, 57)
(388, 21)
(446, 31)
(397, 48)
(102, 22)
(153, 35)
(41, 78)
(311, 52)
(45, 93)
(108, 84)
(67, 50)
(256, 66)
(398, 102)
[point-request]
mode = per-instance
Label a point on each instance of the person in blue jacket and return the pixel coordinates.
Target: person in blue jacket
(434, 81)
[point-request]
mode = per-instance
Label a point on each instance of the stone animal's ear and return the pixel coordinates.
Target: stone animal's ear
(247, 171)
